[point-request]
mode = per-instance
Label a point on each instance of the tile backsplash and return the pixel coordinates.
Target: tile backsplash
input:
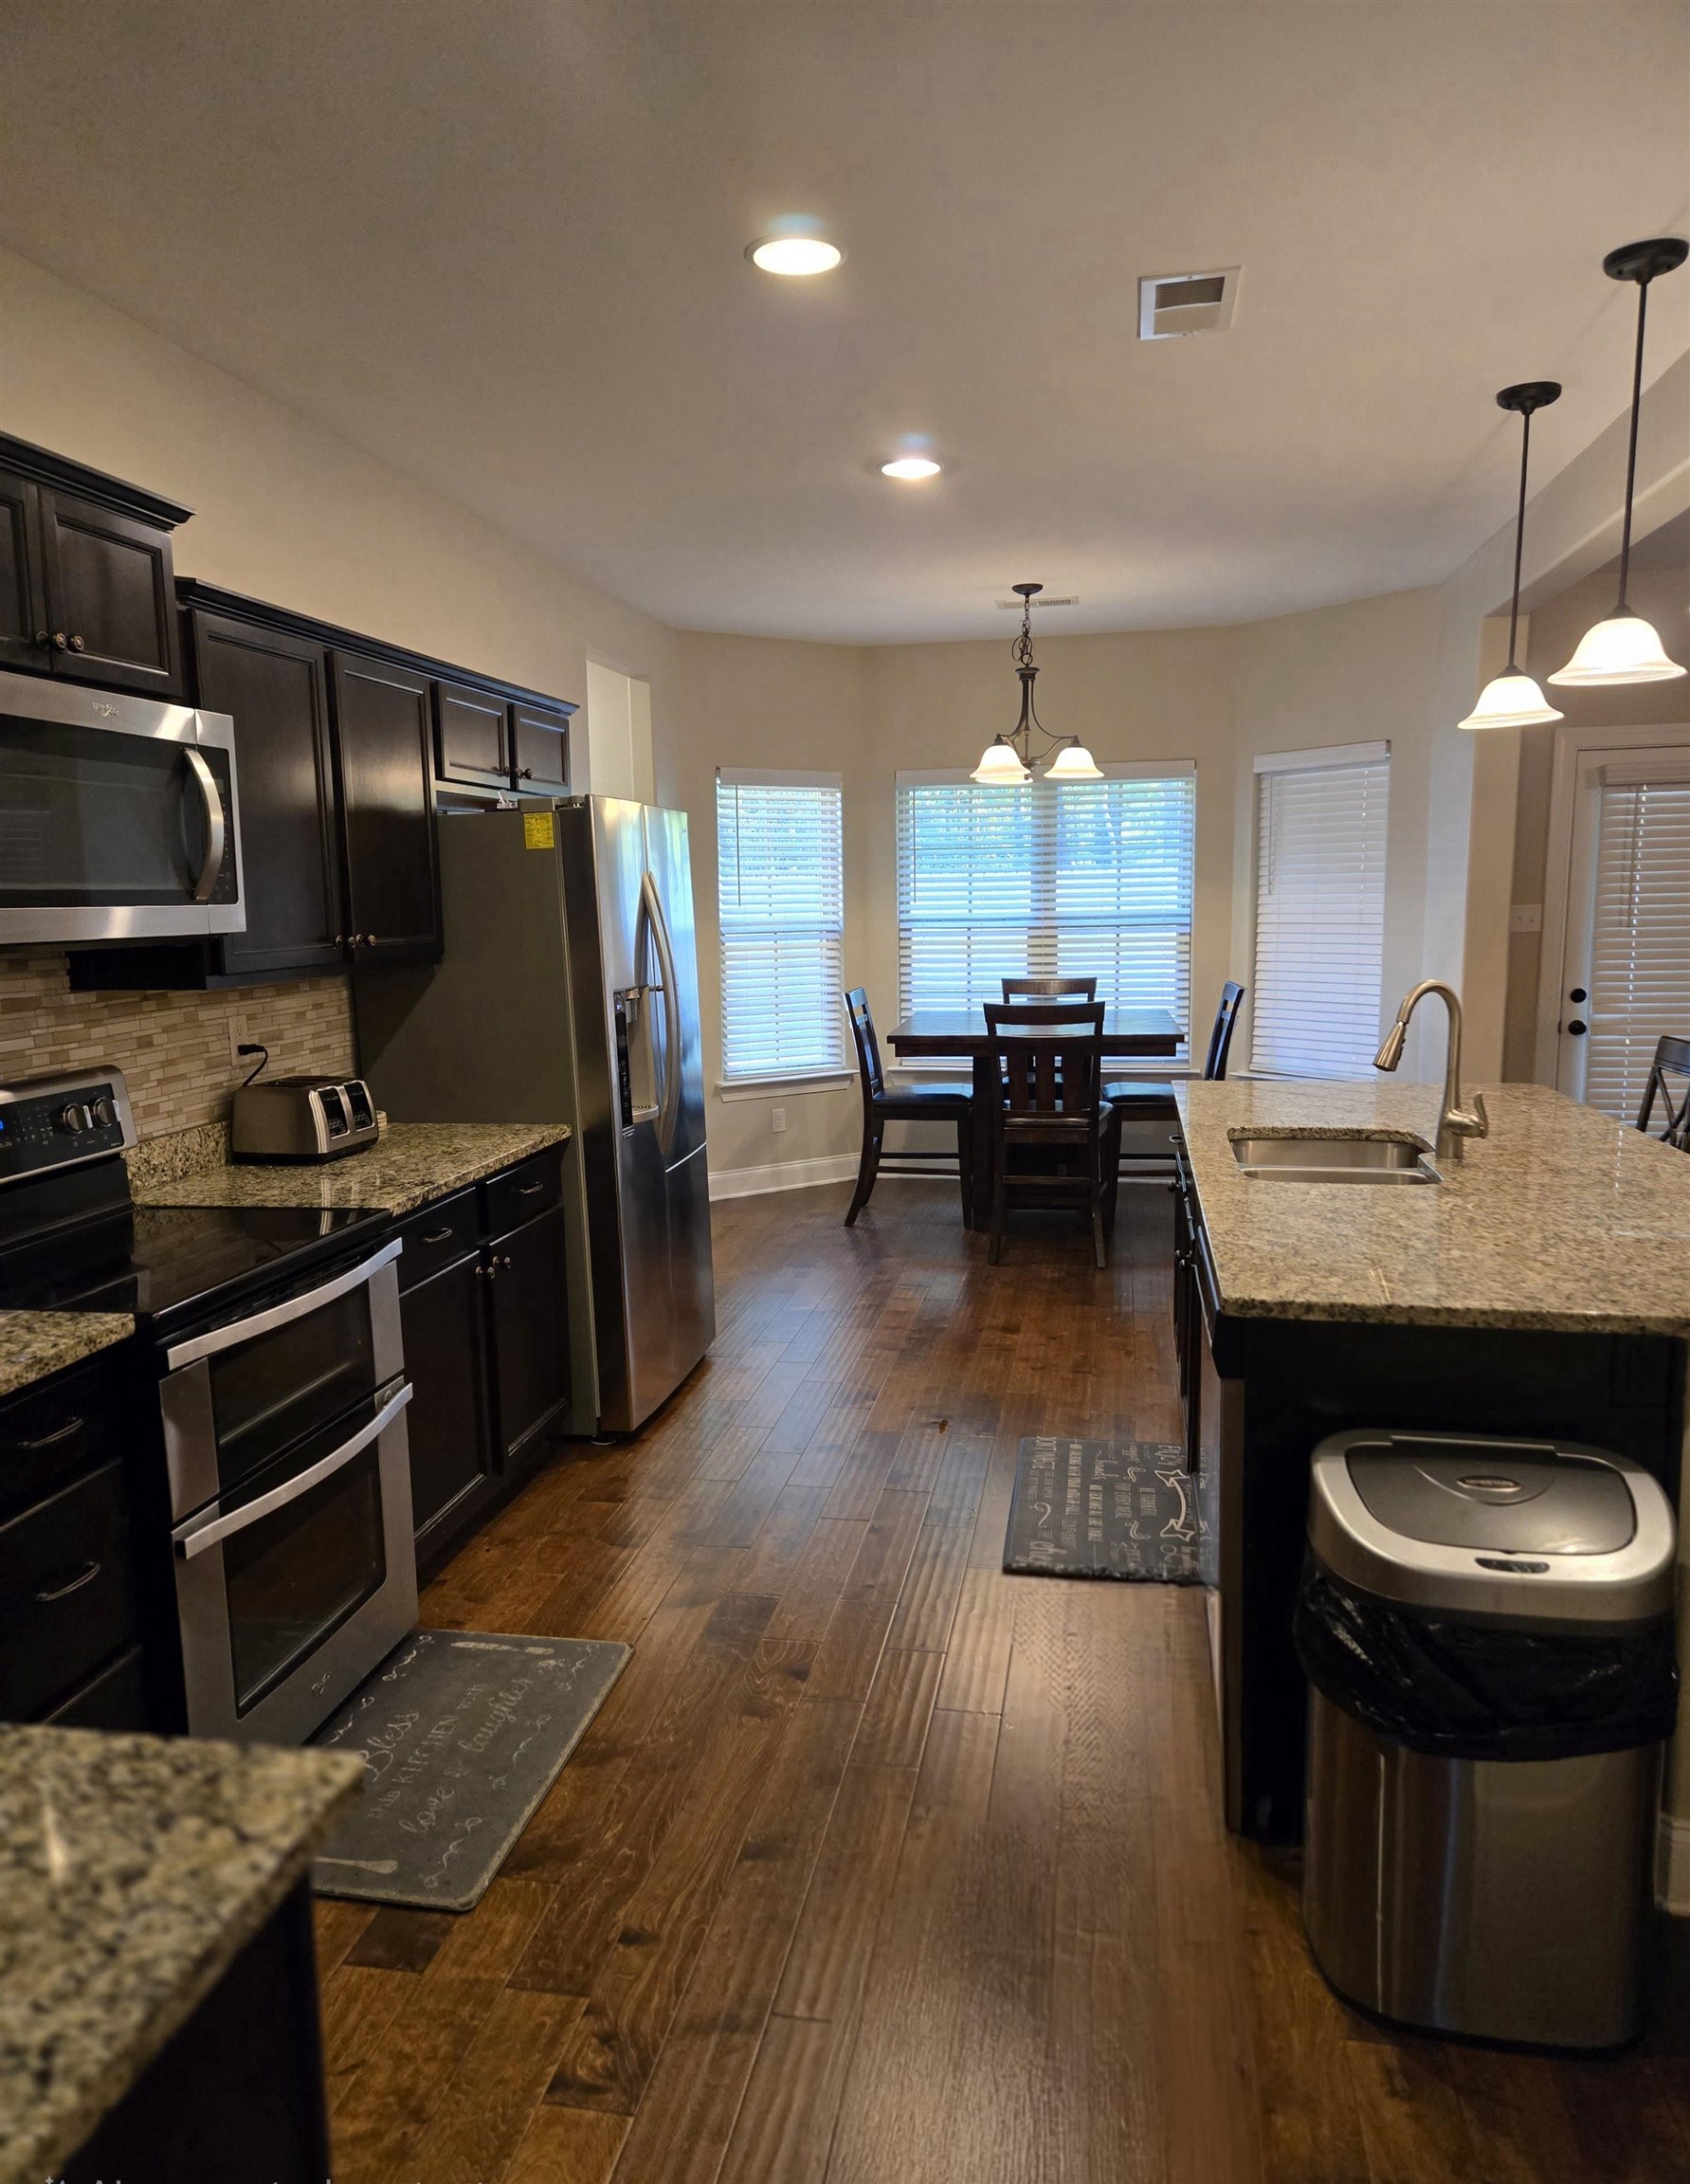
(175, 1050)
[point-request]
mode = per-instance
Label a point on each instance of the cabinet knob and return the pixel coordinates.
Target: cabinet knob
(525, 773)
(60, 642)
(338, 941)
(77, 645)
(505, 1262)
(45, 639)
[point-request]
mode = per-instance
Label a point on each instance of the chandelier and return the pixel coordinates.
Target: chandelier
(1008, 760)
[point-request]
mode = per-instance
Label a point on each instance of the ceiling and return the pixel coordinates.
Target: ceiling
(501, 246)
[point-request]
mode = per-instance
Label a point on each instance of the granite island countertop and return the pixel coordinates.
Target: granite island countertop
(133, 1871)
(412, 1164)
(34, 1344)
(1560, 1219)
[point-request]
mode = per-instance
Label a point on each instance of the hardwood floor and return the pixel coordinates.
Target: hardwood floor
(879, 1865)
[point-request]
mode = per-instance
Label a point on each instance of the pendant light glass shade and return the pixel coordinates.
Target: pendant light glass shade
(1000, 764)
(1510, 700)
(1073, 763)
(1624, 648)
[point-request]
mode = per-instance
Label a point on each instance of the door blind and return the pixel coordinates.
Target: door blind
(1640, 942)
(781, 916)
(1320, 912)
(1049, 879)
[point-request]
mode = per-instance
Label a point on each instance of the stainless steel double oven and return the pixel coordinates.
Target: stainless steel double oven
(290, 1495)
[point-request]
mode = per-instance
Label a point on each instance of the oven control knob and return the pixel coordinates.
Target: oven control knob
(105, 1113)
(74, 1117)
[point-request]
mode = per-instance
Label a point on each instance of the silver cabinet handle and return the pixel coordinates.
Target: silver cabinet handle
(85, 1576)
(189, 1544)
(51, 1440)
(529, 1190)
(437, 1235)
(201, 1346)
(216, 827)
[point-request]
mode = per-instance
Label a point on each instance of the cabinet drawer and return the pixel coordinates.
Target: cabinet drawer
(54, 1433)
(436, 1236)
(66, 1593)
(116, 1699)
(520, 1194)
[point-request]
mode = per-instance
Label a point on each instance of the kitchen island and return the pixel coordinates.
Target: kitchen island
(157, 2000)
(1536, 1290)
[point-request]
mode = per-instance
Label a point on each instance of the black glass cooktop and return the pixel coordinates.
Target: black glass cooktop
(179, 1262)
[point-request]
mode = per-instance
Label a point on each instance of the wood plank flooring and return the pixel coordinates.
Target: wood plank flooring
(880, 1866)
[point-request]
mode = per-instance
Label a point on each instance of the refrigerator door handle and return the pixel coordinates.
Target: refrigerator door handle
(669, 1098)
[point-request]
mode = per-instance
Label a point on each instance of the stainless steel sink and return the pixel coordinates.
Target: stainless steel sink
(1310, 1159)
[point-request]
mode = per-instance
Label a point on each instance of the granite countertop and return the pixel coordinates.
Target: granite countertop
(32, 1344)
(133, 1871)
(1559, 1219)
(412, 1164)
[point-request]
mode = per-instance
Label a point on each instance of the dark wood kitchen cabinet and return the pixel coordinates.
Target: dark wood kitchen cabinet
(384, 768)
(484, 1307)
(87, 584)
(540, 751)
(470, 736)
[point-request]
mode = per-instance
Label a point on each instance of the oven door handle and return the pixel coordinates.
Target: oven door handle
(189, 1544)
(279, 1315)
(217, 826)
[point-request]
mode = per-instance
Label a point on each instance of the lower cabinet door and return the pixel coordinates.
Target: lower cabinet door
(531, 1335)
(446, 1420)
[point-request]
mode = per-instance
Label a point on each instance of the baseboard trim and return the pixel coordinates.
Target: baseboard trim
(782, 1175)
(1672, 1865)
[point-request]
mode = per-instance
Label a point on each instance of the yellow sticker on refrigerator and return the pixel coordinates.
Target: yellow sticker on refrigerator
(539, 830)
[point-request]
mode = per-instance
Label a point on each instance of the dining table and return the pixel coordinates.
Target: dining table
(958, 1034)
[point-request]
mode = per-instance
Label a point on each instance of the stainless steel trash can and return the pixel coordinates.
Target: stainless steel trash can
(1487, 1628)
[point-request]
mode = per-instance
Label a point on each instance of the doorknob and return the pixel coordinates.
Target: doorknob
(1578, 994)
(1578, 1027)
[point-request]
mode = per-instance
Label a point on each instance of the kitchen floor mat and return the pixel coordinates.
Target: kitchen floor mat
(462, 1734)
(1123, 1509)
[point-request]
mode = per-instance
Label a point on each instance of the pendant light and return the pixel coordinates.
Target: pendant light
(1512, 699)
(1625, 648)
(1007, 760)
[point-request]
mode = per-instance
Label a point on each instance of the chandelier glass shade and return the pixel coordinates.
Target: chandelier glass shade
(1512, 698)
(1009, 759)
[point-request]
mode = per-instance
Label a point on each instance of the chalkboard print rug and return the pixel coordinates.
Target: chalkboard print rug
(462, 1734)
(1105, 1509)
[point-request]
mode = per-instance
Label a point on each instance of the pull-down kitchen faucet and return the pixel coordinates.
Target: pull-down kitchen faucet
(1455, 1123)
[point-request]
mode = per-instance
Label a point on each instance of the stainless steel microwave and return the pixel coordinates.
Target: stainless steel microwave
(119, 818)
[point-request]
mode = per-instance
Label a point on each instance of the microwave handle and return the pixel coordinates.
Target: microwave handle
(217, 826)
(200, 1346)
(195, 1542)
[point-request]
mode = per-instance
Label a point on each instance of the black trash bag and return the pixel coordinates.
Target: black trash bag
(1480, 1689)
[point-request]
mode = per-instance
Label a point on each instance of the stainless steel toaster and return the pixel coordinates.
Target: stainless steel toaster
(303, 1118)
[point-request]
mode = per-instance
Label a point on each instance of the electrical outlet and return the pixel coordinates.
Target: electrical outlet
(777, 1118)
(1526, 918)
(237, 1032)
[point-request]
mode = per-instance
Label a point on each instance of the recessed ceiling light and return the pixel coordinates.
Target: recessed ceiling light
(911, 467)
(794, 256)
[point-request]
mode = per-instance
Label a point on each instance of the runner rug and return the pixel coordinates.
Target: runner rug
(1105, 1509)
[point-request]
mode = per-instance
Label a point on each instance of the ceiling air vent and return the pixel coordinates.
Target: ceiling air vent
(1174, 303)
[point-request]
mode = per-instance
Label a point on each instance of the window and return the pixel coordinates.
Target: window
(1638, 977)
(781, 915)
(1050, 879)
(1319, 910)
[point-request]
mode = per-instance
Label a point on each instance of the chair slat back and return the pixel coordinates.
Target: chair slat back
(868, 1047)
(1220, 1039)
(1669, 1082)
(1017, 989)
(1050, 1064)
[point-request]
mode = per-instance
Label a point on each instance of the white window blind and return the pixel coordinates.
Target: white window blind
(781, 916)
(1049, 879)
(1319, 910)
(1640, 942)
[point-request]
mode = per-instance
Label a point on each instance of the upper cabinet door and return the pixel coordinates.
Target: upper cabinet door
(23, 637)
(540, 747)
(110, 600)
(383, 745)
(276, 688)
(469, 737)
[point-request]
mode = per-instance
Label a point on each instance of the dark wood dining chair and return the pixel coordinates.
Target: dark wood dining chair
(1049, 1057)
(920, 1103)
(1148, 1102)
(1672, 1060)
(1050, 989)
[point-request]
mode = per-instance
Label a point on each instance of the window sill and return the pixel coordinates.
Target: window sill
(773, 1087)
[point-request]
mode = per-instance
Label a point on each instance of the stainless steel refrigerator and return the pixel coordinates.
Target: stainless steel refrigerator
(570, 992)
